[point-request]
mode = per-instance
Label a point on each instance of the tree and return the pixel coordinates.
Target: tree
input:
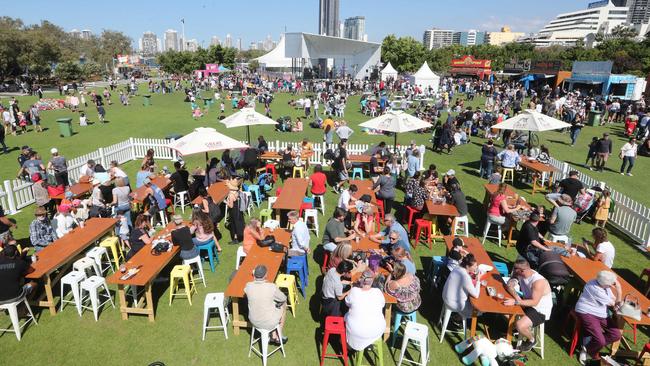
(68, 71)
(11, 47)
(43, 48)
(91, 70)
(621, 31)
(404, 53)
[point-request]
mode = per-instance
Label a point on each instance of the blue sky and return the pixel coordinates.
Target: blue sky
(253, 20)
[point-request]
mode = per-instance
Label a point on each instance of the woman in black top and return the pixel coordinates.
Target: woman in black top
(262, 146)
(139, 235)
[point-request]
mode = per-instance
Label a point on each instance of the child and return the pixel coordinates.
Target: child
(196, 113)
(123, 230)
(602, 209)
(82, 119)
(22, 122)
(223, 108)
(591, 154)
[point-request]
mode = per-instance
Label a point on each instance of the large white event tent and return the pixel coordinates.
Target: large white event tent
(388, 72)
(426, 78)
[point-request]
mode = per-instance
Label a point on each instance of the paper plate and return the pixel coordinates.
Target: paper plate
(485, 268)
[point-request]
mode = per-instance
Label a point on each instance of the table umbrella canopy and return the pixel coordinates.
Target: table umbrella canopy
(204, 140)
(529, 120)
(396, 122)
(247, 117)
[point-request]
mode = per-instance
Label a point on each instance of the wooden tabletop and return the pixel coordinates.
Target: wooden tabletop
(256, 256)
(536, 165)
(441, 209)
(294, 190)
(364, 159)
(160, 181)
(218, 191)
(63, 250)
(150, 265)
(77, 189)
(484, 303)
(275, 155)
(364, 187)
(364, 244)
(587, 269)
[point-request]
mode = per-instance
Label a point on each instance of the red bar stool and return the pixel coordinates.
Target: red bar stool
(305, 206)
(412, 212)
(326, 259)
(271, 167)
(380, 207)
(646, 349)
(422, 225)
(334, 325)
(277, 192)
(575, 335)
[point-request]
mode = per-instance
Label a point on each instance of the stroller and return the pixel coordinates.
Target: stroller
(584, 204)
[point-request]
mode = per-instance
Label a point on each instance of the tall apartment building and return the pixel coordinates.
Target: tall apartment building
(503, 37)
(437, 38)
(355, 28)
(469, 38)
(148, 44)
(638, 16)
(171, 40)
(328, 18)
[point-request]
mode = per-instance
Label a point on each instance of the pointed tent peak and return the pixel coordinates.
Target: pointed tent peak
(389, 69)
(424, 70)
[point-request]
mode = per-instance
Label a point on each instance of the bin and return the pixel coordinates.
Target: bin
(146, 100)
(65, 127)
(594, 118)
(207, 102)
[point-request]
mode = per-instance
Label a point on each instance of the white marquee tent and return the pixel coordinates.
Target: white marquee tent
(426, 78)
(275, 59)
(388, 72)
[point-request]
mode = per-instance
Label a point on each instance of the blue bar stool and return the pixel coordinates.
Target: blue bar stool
(357, 171)
(502, 268)
(398, 323)
(297, 264)
(213, 255)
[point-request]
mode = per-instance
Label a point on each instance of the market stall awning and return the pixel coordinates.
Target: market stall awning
(581, 81)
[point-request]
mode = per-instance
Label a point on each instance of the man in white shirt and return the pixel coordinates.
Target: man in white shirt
(344, 132)
(299, 235)
(346, 201)
(307, 107)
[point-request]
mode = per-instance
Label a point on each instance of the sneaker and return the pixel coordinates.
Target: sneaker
(276, 342)
(527, 345)
(622, 173)
(629, 174)
(582, 358)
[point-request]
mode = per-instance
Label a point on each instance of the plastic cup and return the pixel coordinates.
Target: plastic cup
(500, 296)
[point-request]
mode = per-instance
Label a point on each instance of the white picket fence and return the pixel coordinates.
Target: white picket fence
(628, 216)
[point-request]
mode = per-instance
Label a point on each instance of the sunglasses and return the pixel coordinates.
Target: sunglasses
(394, 238)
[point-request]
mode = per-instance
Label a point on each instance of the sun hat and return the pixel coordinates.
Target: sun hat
(64, 208)
(54, 150)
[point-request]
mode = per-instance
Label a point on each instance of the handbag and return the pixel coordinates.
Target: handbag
(268, 241)
(277, 247)
(630, 307)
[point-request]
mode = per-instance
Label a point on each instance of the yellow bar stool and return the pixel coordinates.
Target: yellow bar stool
(376, 346)
(112, 243)
(181, 272)
(300, 170)
(288, 282)
(508, 172)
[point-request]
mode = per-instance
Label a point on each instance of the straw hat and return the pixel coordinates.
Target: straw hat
(232, 184)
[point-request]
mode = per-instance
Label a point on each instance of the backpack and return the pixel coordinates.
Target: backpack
(329, 154)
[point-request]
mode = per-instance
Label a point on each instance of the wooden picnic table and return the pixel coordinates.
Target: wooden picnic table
(537, 167)
(294, 190)
(364, 159)
(364, 187)
(160, 181)
(305, 155)
(490, 189)
(149, 267)
(77, 189)
(485, 303)
(218, 191)
(434, 210)
(60, 255)
(244, 275)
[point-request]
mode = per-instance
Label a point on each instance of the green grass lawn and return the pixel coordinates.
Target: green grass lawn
(175, 337)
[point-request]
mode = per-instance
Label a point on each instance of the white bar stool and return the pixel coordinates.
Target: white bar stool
(321, 200)
(96, 255)
(419, 335)
(86, 264)
(12, 308)
(92, 286)
(486, 230)
(560, 239)
(212, 301)
(181, 200)
(538, 331)
(199, 264)
(249, 200)
(464, 228)
(240, 255)
(265, 336)
(72, 279)
(445, 314)
(313, 213)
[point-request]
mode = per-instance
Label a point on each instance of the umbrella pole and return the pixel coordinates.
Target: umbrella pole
(248, 134)
(206, 158)
(395, 143)
(529, 142)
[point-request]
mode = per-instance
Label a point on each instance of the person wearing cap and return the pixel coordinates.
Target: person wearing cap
(530, 243)
(41, 194)
(59, 165)
(562, 217)
(64, 221)
(31, 166)
(364, 321)
(597, 297)
(24, 155)
(267, 304)
(449, 179)
(41, 232)
(96, 197)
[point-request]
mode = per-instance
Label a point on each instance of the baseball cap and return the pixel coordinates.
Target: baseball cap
(450, 172)
(54, 150)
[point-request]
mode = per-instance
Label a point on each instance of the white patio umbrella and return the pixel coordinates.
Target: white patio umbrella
(396, 122)
(204, 140)
(247, 117)
(530, 120)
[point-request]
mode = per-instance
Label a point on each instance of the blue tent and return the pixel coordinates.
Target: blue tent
(223, 68)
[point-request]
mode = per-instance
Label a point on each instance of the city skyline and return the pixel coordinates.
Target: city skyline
(199, 21)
